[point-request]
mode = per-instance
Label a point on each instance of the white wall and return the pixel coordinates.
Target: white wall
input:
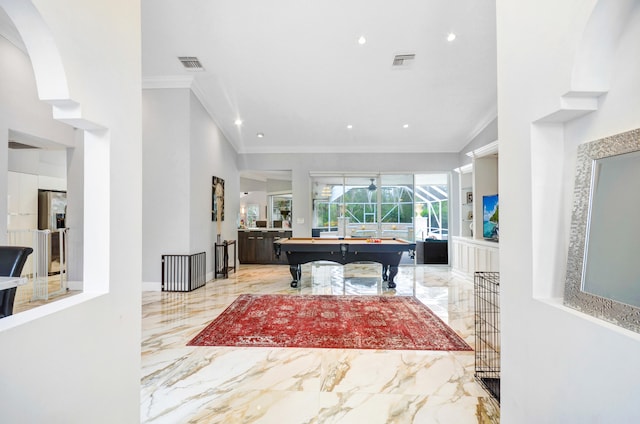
(248, 185)
(20, 109)
(51, 163)
(211, 155)
(559, 365)
(183, 150)
(165, 164)
(278, 186)
(78, 359)
(75, 211)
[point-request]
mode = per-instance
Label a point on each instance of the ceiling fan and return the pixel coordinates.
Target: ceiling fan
(372, 186)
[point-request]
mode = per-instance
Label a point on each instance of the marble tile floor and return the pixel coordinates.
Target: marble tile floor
(24, 295)
(182, 384)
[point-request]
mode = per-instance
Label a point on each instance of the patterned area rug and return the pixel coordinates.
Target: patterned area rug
(325, 321)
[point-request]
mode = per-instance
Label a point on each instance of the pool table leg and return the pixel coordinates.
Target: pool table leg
(393, 271)
(385, 272)
(296, 272)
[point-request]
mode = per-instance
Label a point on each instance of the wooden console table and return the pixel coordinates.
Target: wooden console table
(221, 258)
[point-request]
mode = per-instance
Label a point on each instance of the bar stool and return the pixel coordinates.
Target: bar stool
(12, 260)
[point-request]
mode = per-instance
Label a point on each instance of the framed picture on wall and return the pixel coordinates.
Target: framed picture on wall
(217, 199)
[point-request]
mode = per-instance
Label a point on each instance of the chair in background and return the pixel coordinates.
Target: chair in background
(12, 260)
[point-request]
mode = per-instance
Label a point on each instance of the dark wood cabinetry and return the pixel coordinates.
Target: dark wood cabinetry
(256, 246)
(246, 247)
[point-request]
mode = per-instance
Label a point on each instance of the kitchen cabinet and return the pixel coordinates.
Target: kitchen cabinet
(256, 246)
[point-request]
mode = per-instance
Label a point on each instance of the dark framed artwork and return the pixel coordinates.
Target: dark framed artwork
(217, 199)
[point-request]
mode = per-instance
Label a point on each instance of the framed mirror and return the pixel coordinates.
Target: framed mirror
(603, 267)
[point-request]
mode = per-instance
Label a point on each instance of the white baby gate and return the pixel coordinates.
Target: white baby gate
(46, 267)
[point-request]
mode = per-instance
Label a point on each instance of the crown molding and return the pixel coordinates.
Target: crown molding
(486, 150)
(188, 82)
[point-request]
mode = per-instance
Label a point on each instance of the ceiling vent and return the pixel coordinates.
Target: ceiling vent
(191, 63)
(403, 60)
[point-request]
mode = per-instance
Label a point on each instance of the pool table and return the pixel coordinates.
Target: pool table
(385, 251)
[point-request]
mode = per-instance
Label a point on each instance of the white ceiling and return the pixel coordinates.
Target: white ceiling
(293, 70)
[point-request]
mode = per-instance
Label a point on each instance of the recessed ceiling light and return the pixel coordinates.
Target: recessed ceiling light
(260, 135)
(238, 122)
(451, 36)
(362, 40)
(405, 126)
(349, 126)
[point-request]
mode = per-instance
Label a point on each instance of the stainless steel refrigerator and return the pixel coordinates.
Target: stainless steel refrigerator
(52, 210)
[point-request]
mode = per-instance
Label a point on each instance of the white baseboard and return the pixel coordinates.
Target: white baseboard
(75, 285)
(146, 286)
(151, 286)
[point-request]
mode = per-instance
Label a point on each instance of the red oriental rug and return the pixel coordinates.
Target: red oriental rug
(325, 321)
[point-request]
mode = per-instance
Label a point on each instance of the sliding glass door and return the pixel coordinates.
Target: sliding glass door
(431, 207)
(361, 206)
(403, 206)
(396, 206)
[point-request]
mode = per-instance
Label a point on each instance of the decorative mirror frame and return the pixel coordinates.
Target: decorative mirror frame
(618, 313)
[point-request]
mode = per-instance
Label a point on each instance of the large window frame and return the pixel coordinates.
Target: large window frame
(381, 205)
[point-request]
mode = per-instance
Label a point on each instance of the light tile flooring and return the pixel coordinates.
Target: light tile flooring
(182, 384)
(24, 295)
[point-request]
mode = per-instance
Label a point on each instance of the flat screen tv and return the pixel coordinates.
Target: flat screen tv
(490, 229)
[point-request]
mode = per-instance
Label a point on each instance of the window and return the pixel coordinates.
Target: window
(404, 206)
(280, 210)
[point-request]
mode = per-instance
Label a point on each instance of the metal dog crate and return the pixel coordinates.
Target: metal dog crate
(184, 272)
(487, 329)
